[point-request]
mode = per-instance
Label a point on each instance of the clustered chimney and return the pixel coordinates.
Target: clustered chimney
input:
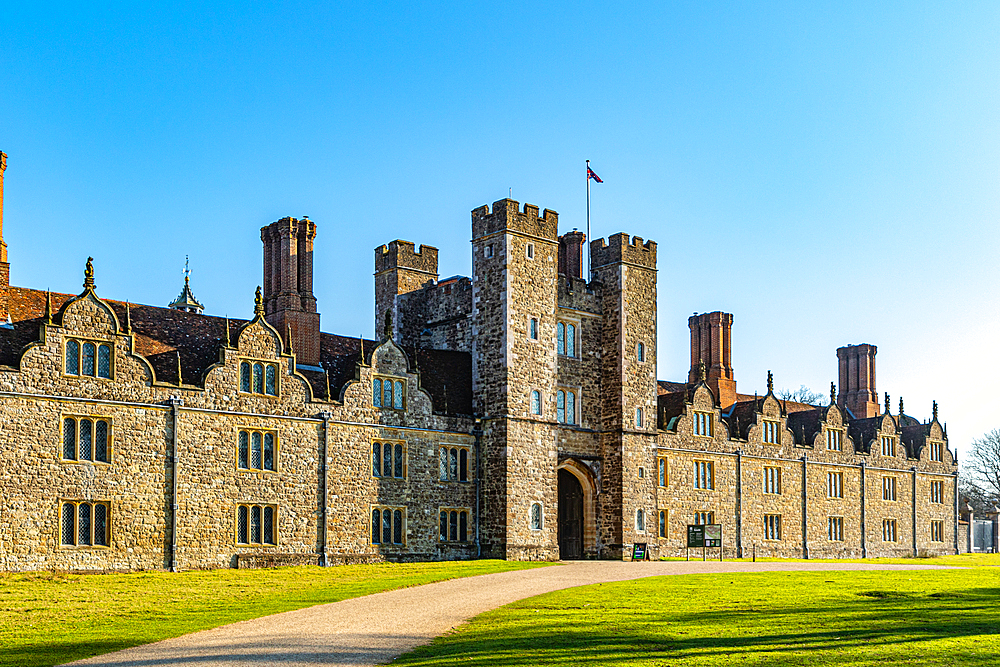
(4, 266)
(571, 254)
(857, 380)
(711, 344)
(289, 304)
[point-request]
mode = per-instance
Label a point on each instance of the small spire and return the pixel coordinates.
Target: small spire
(328, 385)
(187, 302)
(934, 410)
(88, 275)
(48, 306)
(770, 382)
(702, 370)
(900, 406)
(833, 394)
(227, 332)
(128, 317)
(288, 338)
(180, 379)
(362, 339)
(886, 402)
(258, 303)
(187, 270)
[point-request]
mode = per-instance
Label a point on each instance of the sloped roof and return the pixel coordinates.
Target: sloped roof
(164, 334)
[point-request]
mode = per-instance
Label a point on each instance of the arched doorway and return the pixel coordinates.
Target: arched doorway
(570, 516)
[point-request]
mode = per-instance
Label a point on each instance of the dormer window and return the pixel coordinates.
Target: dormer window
(88, 358)
(771, 432)
(388, 393)
(258, 377)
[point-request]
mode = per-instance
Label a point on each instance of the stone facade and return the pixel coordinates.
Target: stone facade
(513, 414)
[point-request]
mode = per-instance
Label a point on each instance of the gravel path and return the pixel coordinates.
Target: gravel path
(374, 629)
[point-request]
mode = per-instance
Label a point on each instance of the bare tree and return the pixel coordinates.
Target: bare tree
(803, 395)
(982, 465)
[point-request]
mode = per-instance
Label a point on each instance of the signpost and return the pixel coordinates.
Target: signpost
(639, 551)
(704, 536)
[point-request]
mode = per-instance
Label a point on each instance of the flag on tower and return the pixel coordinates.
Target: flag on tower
(591, 174)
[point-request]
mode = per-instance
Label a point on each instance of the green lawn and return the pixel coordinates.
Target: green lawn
(940, 617)
(48, 619)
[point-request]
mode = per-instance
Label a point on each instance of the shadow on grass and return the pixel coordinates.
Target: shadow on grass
(885, 627)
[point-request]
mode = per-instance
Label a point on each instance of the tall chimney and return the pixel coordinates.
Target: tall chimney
(711, 343)
(4, 266)
(857, 380)
(289, 304)
(571, 254)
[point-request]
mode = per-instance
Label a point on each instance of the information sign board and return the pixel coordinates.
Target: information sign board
(713, 535)
(639, 551)
(696, 536)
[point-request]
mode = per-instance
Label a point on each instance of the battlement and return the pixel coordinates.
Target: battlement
(507, 215)
(404, 255)
(620, 248)
(288, 227)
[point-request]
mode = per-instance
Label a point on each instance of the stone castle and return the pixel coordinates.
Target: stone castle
(514, 414)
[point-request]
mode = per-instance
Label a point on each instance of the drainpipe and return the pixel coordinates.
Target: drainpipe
(864, 539)
(175, 404)
(956, 513)
(739, 503)
(477, 433)
(914, 494)
(324, 508)
(805, 510)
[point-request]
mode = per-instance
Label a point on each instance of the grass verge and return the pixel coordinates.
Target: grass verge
(942, 617)
(959, 560)
(48, 619)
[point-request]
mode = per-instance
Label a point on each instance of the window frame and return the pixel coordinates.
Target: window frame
(76, 503)
(937, 492)
(397, 382)
(98, 343)
(707, 474)
(936, 451)
(533, 328)
(772, 528)
(445, 459)
(889, 488)
(662, 524)
(640, 418)
(563, 395)
(662, 472)
(274, 525)
(533, 408)
(640, 352)
(834, 439)
(937, 530)
(770, 431)
(702, 420)
(250, 430)
(540, 516)
(704, 517)
(889, 531)
(529, 251)
(640, 521)
(94, 419)
(266, 364)
(771, 477)
(394, 528)
(835, 529)
(459, 512)
(398, 461)
(888, 442)
(834, 484)
(568, 338)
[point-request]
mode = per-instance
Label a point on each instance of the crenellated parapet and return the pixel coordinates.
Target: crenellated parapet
(400, 254)
(621, 249)
(506, 215)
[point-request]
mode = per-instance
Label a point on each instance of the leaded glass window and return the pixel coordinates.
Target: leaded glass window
(561, 406)
(377, 393)
(463, 465)
(255, 524)
(463, 526)
(536, 516)
(242, 524)
(444, 464)
(268, 451)
(397, 529)
(270, 385)
(536, 402)
(377, 459)
(101, 441)
(570, 407)
(387, 526)
(561, 338)
(86, 439)
(83, 524)
(397, 469)
(88, 352)
(103, 361)
(244, 450)
(68, 524)
(570, 340)
(387, 393)
(269, 525)
(444, 525)
(69, 439)
(101, 524)
(397, 401)
(258, 378)
(387, 461)
(376, 521)
(245, 376)
(255, 450)
(72, 357)
(453, 525)
(453, 464)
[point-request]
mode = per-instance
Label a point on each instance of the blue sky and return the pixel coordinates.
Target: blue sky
(827, 172)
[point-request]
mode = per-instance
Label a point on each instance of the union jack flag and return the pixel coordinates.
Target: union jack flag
(591, 174)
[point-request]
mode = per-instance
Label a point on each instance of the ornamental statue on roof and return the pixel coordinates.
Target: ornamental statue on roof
(186, 300)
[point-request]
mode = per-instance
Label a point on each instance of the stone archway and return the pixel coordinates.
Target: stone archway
(577, 516)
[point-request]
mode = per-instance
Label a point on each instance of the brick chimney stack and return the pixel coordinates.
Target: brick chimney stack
(711, 343)
(571, 254)
(857, 380)
(4, 266)
(288, 285)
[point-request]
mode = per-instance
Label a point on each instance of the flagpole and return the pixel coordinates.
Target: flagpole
(589, 277)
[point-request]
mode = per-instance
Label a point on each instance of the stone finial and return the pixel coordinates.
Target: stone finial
(128, 317)
(180, 378)
(886, 402)
(48, 306)
(288, 337)
(88, 275)
(258, 303)
(833, 393)
(702, 370)
(900, 406)
(770, 382)
(227, 332)
(934, 410)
